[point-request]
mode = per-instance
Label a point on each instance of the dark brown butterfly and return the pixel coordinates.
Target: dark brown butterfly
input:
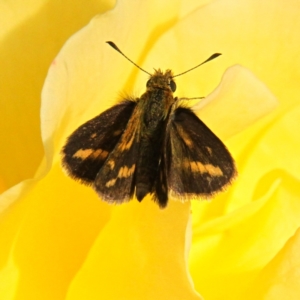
(149, 145)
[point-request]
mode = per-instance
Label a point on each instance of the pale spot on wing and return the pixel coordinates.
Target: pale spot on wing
(91, 153)
(111, 182)
(83, 154)
(126, 172)
(111, 163)
(102, 154)
(209, 150)
(196, 166)
(127, 146)
(93, 135)
(212, 170)
(185, 138)
(186, 163)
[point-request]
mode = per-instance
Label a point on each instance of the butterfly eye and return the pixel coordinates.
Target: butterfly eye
(172, 85)
(148, 83)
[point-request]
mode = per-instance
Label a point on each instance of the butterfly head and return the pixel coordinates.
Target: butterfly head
(162, 81)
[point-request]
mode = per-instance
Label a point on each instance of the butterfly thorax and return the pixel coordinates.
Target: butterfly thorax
(158, 99)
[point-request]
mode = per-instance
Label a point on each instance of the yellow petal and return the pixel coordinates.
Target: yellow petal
(230, 251)
(230, 108)
(140, 254)
(280, 278)
(31, 34)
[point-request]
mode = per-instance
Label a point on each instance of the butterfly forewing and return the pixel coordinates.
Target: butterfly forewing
(88, 147)
(198, 163)
(115, 182)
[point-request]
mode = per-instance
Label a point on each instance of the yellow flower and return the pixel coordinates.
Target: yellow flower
(58, 241)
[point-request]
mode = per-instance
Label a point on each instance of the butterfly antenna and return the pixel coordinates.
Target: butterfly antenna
(113, 45)
(210, 58)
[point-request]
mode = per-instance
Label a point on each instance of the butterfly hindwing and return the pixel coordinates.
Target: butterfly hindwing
(198, 163)
(161, 189)
(88, 147)
(160, 194)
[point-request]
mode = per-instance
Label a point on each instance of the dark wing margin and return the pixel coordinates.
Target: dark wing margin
(198, 163)
(88, 147)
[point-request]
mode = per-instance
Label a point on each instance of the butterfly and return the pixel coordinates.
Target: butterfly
(149, 145)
